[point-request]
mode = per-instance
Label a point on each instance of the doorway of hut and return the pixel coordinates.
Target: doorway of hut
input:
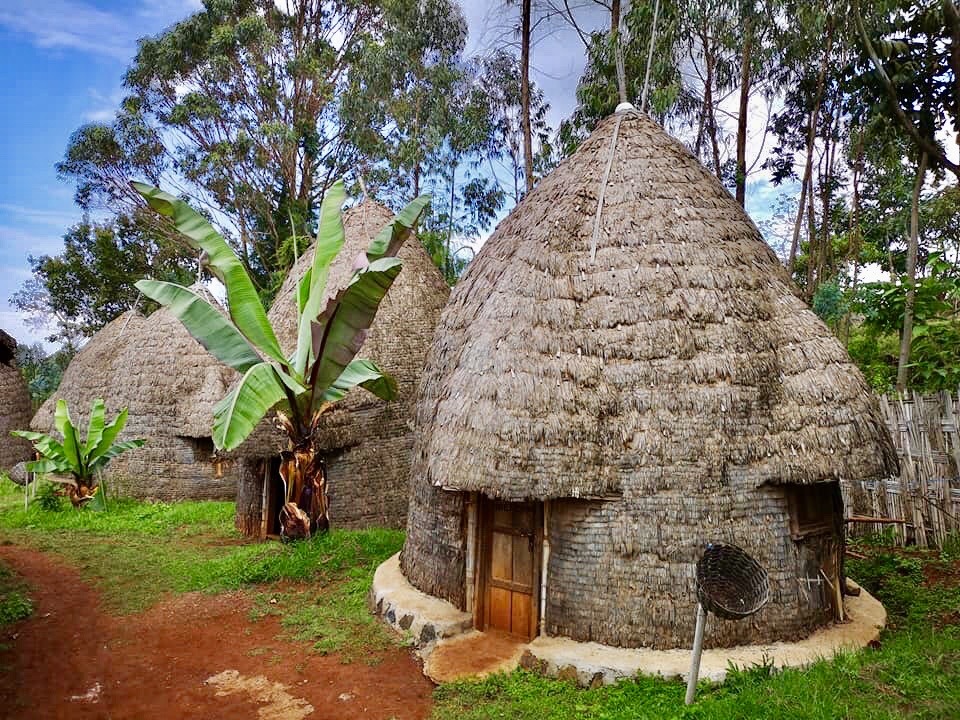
(273, 499)
(510, 547)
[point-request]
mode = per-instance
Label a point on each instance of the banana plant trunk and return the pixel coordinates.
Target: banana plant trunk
(306, 504)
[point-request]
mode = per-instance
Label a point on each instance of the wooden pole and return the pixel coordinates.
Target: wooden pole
(695, 657)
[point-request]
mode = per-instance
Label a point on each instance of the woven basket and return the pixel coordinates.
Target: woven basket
(730, 583)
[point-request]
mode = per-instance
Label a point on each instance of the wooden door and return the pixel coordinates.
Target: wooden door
(509, 594)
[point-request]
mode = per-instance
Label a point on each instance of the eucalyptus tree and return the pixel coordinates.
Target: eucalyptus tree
(501, 84)
(323, 367)
(242, 107)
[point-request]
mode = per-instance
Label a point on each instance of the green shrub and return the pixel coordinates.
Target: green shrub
(49, 497)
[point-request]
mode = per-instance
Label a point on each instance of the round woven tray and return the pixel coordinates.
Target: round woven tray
(730, 583)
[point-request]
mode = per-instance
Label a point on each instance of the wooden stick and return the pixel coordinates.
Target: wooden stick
(695, 657)
(853, 554)
(863, 519)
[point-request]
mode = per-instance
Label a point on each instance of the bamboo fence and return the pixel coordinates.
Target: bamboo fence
(922, 506)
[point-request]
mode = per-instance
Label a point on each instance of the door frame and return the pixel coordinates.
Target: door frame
(484, 542)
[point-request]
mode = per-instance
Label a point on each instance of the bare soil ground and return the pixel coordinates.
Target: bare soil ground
(191, 656)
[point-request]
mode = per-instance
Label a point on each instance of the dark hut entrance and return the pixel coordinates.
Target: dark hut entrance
(273, 499)
(508, 588)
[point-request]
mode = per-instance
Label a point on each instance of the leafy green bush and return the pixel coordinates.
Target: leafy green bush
(14, 606)
(14, 603)
(49, 497)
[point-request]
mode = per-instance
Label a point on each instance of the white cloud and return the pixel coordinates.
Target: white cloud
(16, 324)
(105, 105)
(69, 24)
(80, 26)
(59, 219)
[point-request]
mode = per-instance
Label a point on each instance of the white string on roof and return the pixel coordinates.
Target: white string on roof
(622, 109)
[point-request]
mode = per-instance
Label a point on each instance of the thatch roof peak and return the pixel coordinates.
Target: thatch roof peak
(150, 365)
(657, 342)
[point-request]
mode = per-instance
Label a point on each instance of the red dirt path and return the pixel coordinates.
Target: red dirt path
(71, 659)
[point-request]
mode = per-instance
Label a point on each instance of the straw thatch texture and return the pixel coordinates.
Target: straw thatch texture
(659, 396)
(170, 384)
(368, 441)
(15, 406)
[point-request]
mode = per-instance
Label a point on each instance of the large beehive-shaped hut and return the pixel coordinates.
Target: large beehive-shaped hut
(170, 384)
(368, 442)
(15, 406)
(609, 392)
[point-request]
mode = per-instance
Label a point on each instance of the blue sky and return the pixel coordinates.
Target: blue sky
(64, 62)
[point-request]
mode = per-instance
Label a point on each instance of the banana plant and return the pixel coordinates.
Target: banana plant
(76, 461)
(322, 368)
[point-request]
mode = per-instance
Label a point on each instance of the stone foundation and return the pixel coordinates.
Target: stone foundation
(430, 622)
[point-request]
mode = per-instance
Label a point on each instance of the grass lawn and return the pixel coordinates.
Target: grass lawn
(136, 552)
(915, 673)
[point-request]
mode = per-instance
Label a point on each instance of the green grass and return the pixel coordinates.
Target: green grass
(914, 674)
(138, 551)
(15, 603)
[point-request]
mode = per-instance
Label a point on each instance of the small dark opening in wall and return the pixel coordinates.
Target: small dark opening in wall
(813, 509)
(202, 449)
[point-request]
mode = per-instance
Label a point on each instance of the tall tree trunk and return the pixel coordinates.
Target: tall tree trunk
(653, 41)
(813, 252)
(795, 242)
(907, 335)
(812, 133)
(614, 17)
(854, 234)
(448, 261)
(708, 106)
(742, 117)
(525, 94)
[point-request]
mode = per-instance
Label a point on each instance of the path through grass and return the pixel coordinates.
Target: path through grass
(136, 552)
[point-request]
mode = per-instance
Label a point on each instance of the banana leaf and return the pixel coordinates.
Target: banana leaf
(208, 326)
(109, 435)
(112, 452)
(64, 425)
(339, 334)
(361, 373)
(389, 240)
(236, 415)
(95, 427)
(328, 245)
(244, 303)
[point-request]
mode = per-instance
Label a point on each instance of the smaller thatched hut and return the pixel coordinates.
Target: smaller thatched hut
(15, 406)
(368, 441)
(170, 384)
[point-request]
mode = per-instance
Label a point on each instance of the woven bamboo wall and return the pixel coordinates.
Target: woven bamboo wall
(622, 572)
(926, 495)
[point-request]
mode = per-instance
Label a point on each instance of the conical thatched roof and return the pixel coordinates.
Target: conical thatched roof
(397, 341)
(681, 356)
(170, 384)
(15, 406)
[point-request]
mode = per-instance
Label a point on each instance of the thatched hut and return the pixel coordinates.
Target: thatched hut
(368, 442)
(15, 406)
(611, 389)
(170, 384)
